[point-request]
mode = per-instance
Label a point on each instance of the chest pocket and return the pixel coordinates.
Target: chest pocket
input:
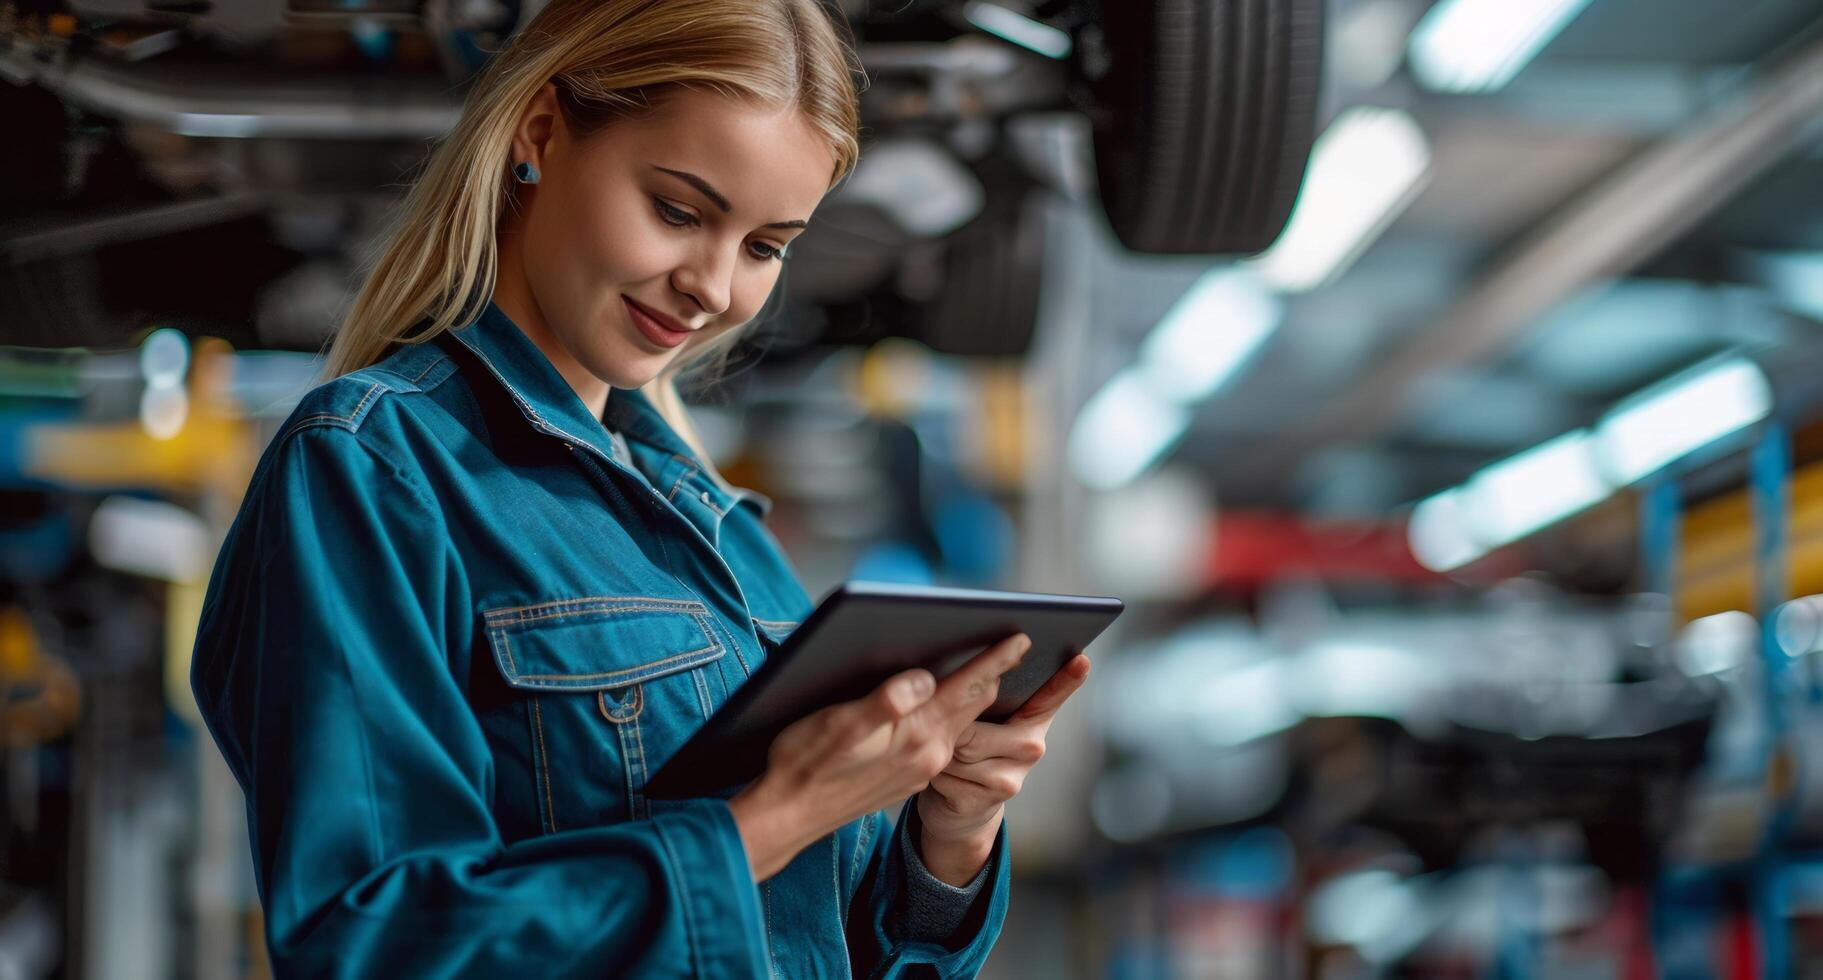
(608, 687)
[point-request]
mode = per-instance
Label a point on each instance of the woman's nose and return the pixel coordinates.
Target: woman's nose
(708, 281)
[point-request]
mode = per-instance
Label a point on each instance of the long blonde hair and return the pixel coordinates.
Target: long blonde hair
(609, 59)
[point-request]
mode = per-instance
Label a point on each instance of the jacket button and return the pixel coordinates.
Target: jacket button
(705, 496)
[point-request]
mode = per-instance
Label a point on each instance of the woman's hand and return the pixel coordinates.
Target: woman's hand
(962, 809)
(850, 759)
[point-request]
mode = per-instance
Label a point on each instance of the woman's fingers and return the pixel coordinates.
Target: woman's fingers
(971, 689)
(981, 783)
(1047, 699)
(1018, 741)
(865, 728)
(898, 696)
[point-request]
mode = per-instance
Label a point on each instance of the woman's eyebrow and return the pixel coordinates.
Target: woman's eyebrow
(715, 196)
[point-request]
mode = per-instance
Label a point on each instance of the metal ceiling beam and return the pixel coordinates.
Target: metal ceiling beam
(1607, 230)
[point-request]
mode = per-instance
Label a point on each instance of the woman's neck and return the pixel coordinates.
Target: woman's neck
(514, 296)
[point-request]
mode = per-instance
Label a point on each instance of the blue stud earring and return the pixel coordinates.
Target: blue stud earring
(525, 172)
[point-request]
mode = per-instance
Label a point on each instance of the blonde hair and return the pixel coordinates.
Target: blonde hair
(609, 59)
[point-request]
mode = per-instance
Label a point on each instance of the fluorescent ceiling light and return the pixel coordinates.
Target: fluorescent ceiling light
(1364, 169)
(1479, 45)
(1537, 488)
(1019, 29)
(1439, 533)
(1668, 421)
(1541, 486)
(1209, 333)
(1122, 430)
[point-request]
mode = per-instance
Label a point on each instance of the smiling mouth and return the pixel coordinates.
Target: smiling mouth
(654, 331)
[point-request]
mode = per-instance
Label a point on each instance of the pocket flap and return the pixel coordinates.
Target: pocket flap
(599, 642)
(774, 629)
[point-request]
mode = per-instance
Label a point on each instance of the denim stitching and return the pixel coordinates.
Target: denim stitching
(521, 620)
(636, 801)
(639, 705)
(605, 599)
(681, 477)
(544, 766)
(427, 369)
(712, 647)
(702, 693)
(350, 417)
(708, 623)
(450, 367)
(864, 840)
(785, 625)
(516, 614)
(626, 771)
(772, 964)
(506, 650)
(835, 871)
(319, 422)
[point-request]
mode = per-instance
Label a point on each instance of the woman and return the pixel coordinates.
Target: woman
(485, 579)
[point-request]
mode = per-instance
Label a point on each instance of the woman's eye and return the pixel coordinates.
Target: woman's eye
(676, 217)
(767, 252)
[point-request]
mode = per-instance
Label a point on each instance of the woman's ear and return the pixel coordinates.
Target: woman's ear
(538, 124)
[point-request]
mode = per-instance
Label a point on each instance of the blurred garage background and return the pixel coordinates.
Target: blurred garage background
(1470, 533)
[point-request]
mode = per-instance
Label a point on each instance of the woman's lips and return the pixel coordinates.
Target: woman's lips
(657, 333)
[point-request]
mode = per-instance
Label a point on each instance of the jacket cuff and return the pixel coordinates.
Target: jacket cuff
(721, 901)
(932, 909)
(973, 938)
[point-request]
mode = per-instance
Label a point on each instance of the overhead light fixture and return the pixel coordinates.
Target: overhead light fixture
(1365, 168)
(1209, 333)
(1439, 533)
(1537, 488)
(1668, 421)
(1122, 430)
(1011, 26)
(1541, 486)
(1479, 45)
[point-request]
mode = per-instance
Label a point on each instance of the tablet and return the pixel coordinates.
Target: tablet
(860, 634)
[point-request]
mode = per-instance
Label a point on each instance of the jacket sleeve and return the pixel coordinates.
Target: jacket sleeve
(878, 940)
(327, 665)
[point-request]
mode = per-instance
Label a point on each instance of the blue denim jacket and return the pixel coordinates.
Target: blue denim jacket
(446, 640)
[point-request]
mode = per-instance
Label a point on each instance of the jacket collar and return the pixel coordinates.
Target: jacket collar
(551, 405)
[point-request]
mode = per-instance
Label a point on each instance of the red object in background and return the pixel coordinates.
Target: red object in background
(1259, 547)
(1743, 948)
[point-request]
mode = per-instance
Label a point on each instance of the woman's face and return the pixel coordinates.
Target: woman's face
(682, 212)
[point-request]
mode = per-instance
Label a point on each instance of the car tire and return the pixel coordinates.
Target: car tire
(1203, 113)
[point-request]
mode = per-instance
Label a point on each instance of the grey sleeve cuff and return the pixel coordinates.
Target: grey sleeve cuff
(931, 909)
